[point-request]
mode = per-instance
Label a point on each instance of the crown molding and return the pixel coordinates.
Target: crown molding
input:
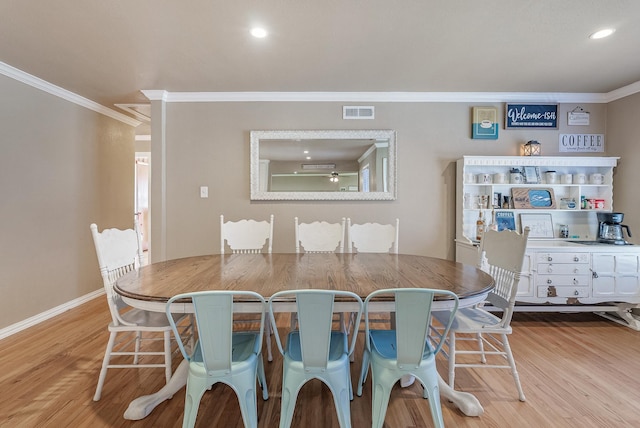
(52, 89)
(625, 91)
(388, 97)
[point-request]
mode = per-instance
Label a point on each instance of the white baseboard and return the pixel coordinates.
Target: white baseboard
(43, 316)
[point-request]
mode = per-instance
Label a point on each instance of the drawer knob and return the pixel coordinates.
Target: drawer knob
(576, 259)
(576, 292)
(575, 282)
(549, 281)
(549, 258)
(550, 269)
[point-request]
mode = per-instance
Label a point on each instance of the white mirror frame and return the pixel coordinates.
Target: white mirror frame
(257, 194)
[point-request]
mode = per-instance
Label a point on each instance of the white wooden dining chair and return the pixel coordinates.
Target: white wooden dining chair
(118, 253)
(248, 236)
(501, 256)
(372, 237)
(319, 236)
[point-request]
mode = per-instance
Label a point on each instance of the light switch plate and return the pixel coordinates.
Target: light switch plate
(204, 191)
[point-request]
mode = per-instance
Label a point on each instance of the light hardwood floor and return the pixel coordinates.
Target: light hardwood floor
(577, 370)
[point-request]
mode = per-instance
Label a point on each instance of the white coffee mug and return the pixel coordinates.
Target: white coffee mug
(484, 178)
(596, 179)
(552, 177)
(500, 178)
(581, 178)
(469, 177)
(567, 179)
(516, 178)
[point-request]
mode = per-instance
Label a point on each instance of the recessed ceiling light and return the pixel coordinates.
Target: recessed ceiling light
(259, 33)
(602, 33)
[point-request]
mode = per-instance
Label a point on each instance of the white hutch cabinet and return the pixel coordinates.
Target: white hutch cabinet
(561, 272)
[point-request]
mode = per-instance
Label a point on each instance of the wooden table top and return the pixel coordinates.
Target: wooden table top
(268, 273)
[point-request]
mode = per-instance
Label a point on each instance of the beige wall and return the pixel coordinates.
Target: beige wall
(62, 167)
(207, 144)
(623, 139)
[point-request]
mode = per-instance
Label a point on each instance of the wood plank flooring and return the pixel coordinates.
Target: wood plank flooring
(577, 370)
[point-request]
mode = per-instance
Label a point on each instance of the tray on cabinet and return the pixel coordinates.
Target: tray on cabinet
(533, 198)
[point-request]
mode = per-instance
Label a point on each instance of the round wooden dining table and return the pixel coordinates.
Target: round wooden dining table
(362, 273)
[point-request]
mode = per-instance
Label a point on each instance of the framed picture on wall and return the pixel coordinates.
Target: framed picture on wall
(484, 124)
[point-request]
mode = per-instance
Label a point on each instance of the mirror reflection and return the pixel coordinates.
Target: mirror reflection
(323, 165)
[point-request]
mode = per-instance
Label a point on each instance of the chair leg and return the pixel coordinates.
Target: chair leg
(246, 392)
(429, 380)
(167, 355)
(452, 358)
(196, 386)
(341, 396)
(512, 363)
(137, 347)
(380, 402)
(483, 358)
(105, 365)
(268, 331)
(288, 399)
(363, 372)
(262, 379)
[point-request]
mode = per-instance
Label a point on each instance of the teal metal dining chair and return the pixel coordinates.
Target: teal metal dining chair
(222, 355)
(314, 350)
(406, 350)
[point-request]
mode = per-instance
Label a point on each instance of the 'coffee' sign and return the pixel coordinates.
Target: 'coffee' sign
(581, 143)
(531, 116)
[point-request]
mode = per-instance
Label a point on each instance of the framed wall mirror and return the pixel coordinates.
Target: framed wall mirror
(323, 165)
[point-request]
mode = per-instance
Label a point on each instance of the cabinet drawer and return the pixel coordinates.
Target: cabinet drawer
(563, 268)
(551, 291)
(563, 280)
(563, 257)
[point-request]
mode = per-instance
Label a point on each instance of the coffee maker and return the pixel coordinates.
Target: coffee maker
(610, 228)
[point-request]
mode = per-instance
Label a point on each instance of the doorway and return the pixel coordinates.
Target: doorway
(141, 202)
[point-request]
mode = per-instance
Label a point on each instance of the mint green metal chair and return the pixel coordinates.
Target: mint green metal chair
(315, 351)
(222, 355)
(405, 351)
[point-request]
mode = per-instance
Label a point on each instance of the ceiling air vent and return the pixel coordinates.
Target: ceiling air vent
(358, 112)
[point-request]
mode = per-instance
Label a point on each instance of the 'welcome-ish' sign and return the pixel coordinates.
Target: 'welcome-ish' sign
(531, 116)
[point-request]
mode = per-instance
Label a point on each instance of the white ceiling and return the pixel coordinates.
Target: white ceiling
(107, 51)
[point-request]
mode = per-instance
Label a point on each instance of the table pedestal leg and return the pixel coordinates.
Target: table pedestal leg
(142, 406)
(466, 402)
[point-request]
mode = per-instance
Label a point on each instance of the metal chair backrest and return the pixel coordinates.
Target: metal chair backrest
(214, 319)
(246, 236)
(320, 237)
(373, 237)
(315, 309)
(412, 320)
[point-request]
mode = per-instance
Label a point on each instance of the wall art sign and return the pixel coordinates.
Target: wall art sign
(540, 225)
(581, 143)
(531, 116)
(484, 124)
